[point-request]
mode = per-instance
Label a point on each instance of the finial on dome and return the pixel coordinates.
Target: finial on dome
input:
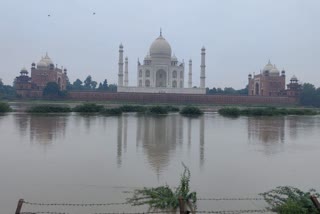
(121, 46)
(269, 62)
(160, 31)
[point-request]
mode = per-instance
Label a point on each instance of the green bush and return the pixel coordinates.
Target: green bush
(233, 112)
(88, 108)
(270, 111)
(4, 107)
(48, 109)
(291, 200)
(132, 108)
(191, 110)
(158, 110)
(113, 111)
(172, 108)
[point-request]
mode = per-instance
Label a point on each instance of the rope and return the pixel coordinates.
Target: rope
(230, 199)
(72, 204)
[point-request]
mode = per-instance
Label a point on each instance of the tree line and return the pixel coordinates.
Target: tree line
(90, 84)
(228, 91)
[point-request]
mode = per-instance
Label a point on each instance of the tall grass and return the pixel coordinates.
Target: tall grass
(88, 108)
(191, 111)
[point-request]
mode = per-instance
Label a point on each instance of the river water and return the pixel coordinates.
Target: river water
(94, 159)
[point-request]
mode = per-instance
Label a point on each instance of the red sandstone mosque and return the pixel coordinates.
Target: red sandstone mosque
(45, 71)
(270, 82)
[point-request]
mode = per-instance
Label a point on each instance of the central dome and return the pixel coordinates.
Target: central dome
(160, 48)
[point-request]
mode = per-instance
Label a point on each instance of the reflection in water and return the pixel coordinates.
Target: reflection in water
(158, 137)
(268, 132)
(43, 129)
(119, 141)
(202, 127)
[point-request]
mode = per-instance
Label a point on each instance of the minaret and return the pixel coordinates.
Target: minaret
(190, 74)
(126, 72)
(120, 74)
(203, 68)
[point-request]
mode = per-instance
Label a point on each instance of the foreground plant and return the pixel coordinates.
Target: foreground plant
(164, 197)
(291, 200)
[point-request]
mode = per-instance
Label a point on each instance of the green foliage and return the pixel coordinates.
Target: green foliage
(48, 109)
(228, 91)
(232, 112)
(172, 108)
(52, 89)
(164, 197)
(113, 111)
(158, 110)
(133, 108)
(310, 96)
(270, 111)
(7, 91)
(88, 108)
(4, 107)
(191, 110)
(290, 200)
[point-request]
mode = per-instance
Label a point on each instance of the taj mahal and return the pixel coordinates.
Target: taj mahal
(160, 72)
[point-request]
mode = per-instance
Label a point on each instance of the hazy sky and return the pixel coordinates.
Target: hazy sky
(239, 35)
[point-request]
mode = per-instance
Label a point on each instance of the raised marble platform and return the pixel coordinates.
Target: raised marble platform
(132, 89)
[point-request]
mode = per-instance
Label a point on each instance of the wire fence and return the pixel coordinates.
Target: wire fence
(90, 205)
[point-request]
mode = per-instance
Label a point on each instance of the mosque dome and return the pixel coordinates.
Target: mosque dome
(42, 64)
(274, 71)
(47, 60)
(268, 67)
(147, 57)
(24, 69)
(160, 48)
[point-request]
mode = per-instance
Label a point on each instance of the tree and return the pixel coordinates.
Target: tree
(1, 83)
(51, 89)
(93, 85)
(308, 96)
(112, 87)
(77, 85)
(87, 82)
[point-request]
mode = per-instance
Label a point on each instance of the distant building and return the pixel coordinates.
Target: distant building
(160, 72)
(45, 71)
(271, 82)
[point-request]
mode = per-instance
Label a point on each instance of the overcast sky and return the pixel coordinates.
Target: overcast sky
(240, 36)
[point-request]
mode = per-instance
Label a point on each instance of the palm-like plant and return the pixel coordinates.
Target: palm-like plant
(164, 197)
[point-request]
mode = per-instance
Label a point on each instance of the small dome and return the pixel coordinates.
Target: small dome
(174, 58)
(33, 64)
(147, 57)
(160, 48)
(268, 67)
(294, 78)
(121, 46)
(24, 69)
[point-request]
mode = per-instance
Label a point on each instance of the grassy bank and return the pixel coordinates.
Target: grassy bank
(270, 111)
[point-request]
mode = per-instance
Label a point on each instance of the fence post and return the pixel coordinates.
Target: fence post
(19, 206)
(315, 201)
(181, 205)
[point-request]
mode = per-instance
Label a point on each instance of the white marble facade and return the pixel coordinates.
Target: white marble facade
(160, 72)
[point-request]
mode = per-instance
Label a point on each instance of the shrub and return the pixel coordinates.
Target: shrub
(113, 111)
(132, 108)
(172, 108)
(233, 112)
(4, 107)
(290, 200)
(88, 108)
(191, 110)
(49, 109)
(158, 110)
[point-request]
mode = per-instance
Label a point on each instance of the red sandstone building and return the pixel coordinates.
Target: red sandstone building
(270, 82)
(42, 73)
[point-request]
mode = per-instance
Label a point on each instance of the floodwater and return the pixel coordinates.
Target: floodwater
(95, 159)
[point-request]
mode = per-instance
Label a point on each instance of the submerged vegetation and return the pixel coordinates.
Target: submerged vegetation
(4, 107)
(191, 111)
(48, 109)
(164, 197)
(291, 200)
(270, 111)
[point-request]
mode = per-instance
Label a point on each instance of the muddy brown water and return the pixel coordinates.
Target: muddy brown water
(95, 159)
